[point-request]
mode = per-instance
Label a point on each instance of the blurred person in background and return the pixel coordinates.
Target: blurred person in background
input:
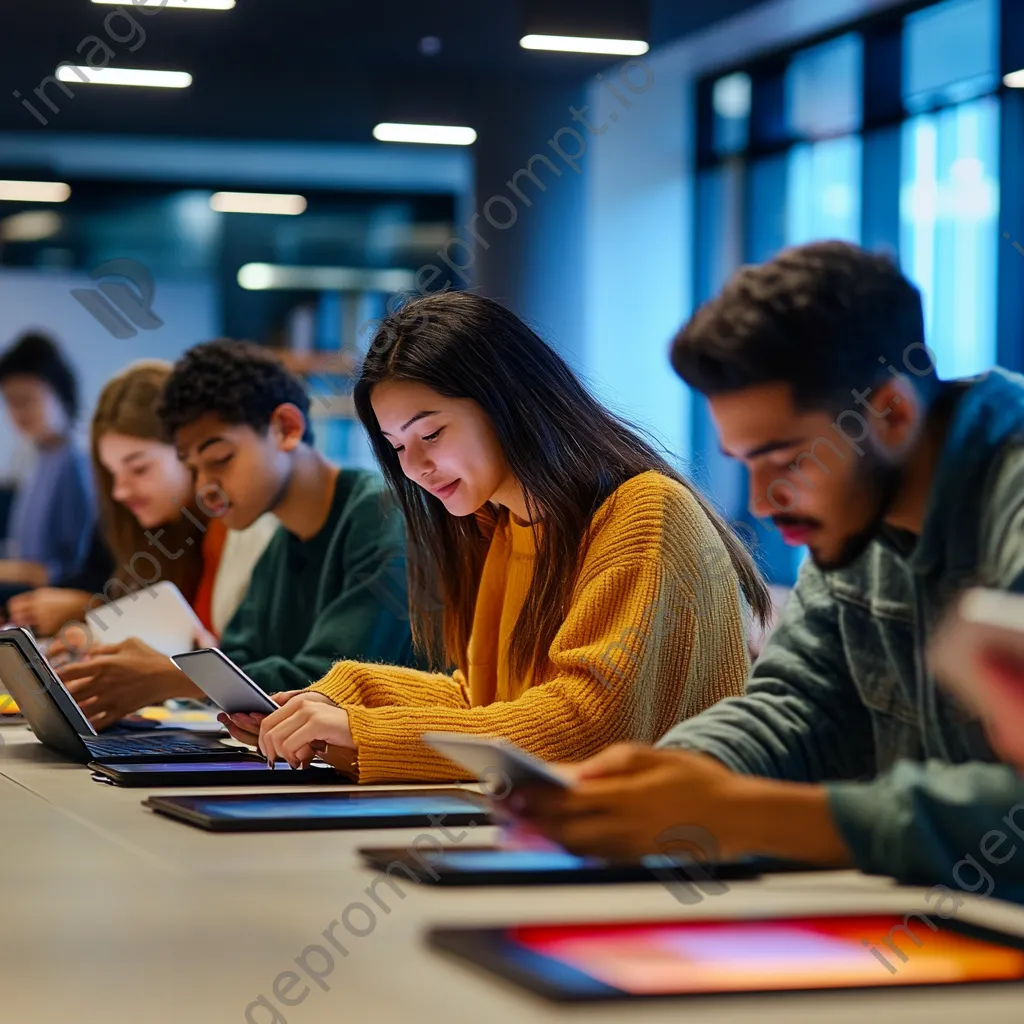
(322, 590)
(148, 507)
(53, 512)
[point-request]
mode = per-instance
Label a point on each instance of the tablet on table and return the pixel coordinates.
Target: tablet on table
(245, 770)
(493, 865)
(425, 808)
(642, 959)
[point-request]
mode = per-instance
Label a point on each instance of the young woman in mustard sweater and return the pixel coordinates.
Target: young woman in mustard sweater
(584, 592)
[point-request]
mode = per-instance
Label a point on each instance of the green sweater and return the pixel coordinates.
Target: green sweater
(339, 595)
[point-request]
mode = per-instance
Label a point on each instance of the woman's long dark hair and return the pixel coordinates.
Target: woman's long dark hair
(567, 452)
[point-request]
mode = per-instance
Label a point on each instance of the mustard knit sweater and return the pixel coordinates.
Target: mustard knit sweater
(654, 634)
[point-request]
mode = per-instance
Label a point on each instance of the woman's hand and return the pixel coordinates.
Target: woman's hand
(305, 727)
(118, 679)
(245, 727)
(48, 609)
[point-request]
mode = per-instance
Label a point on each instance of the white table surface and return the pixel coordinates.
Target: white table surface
(111, 914)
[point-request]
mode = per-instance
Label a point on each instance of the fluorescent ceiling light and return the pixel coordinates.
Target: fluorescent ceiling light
(34, 191)
(259, 277)
(433, 134)
(85, 75)
(31, 226)
(582, 44)
(184, 5)
(257, 202)
(1014, 80)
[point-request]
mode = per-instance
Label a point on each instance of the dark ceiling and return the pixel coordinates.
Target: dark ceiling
(297, 69)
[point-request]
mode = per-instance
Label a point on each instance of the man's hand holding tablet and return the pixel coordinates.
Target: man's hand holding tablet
(979, 654)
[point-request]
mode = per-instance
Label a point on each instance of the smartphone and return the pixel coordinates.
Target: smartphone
(980, 620)
(224, 682)
(498, 764)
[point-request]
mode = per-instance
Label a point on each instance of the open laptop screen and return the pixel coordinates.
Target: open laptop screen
(27, 676)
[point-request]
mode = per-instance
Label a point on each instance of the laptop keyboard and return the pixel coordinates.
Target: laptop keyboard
(158, 747)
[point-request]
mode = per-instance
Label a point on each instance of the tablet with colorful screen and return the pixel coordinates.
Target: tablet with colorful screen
(347, 810)
(677, 958)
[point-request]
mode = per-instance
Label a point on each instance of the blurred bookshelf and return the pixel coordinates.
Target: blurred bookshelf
(323, 342)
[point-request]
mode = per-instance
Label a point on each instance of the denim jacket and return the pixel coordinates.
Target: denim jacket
(842, 694)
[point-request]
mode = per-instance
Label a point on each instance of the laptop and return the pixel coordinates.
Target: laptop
(60, 724)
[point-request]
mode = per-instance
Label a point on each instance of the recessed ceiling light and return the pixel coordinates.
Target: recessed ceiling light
(85, 75)
(257, 202)
(584, 44)
(431, 134)
(1014, 80)
(258, 277)
(34, 191)
(184, 5)
(30, 226)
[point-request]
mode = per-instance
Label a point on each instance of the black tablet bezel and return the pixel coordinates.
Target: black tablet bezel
(112, 771)
(492, 950)
(176, 807)
(437, 873)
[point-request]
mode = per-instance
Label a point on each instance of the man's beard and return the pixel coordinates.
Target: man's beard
(884, 479)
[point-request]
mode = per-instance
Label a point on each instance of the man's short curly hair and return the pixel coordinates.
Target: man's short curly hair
(236, 381)
(825, 318)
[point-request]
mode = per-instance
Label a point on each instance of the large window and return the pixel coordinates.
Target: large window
(886, 134)
(949, 233)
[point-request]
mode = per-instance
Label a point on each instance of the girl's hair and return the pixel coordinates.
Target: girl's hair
(566, 450)
(128, 405)
(38, 355)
